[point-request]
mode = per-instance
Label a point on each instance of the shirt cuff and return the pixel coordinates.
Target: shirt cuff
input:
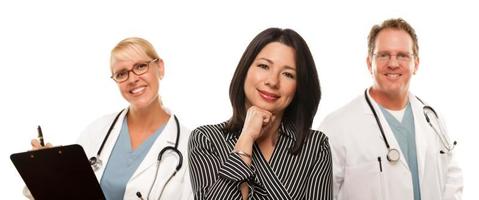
(235, 169)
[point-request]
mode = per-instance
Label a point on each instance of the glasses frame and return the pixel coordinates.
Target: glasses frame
(388, 58)
(133, 70)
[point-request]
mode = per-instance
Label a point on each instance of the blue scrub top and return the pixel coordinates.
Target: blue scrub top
(123, 162)
(405, 134)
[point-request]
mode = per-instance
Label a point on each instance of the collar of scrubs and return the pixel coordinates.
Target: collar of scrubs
(167, 138)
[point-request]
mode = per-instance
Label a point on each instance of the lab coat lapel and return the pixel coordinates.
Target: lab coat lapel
(166, 138)
(421, 134)
(387, 130)
(110, 142)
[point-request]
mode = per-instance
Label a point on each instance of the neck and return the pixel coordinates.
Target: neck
(391, 101)
(152, 115)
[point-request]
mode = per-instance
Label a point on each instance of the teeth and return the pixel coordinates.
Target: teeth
(137, 90)
(392, 75)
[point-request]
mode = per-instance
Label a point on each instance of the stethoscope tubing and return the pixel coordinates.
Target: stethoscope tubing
(439, 133)
(96, 161)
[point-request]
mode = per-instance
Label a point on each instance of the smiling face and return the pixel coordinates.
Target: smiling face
(389, 64)
(139, 90)
(270, 83)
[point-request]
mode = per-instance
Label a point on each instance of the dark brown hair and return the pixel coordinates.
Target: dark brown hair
(300, 112)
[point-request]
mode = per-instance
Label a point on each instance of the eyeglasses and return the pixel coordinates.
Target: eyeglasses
(400, 57)
(138, 69)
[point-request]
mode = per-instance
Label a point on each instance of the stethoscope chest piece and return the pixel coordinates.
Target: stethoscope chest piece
(393, 155)
(95, 163)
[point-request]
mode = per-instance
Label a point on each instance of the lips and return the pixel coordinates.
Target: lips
(393, 76)
(268, 96)
(137, 90)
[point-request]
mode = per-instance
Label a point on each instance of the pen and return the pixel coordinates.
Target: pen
(380, 164)
(40, 136)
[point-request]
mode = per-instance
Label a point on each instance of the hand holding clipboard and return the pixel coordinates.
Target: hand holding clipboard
(38, 143)
(61, 172)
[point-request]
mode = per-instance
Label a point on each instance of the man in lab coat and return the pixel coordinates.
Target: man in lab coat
(382, 145)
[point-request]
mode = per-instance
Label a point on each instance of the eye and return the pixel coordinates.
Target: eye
(382, 55)
(289, 75)
(120, 75)
(141, 67)
(263, 66)
(402, 56)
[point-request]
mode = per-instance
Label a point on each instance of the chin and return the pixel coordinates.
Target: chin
(140, 103)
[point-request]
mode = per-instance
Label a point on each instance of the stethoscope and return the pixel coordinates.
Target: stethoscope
(393, 154)
(97, 163)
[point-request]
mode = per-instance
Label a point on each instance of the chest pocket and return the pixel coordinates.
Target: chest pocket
(364, 181)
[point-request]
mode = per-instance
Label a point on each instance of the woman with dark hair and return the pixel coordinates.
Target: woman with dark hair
(267, 149)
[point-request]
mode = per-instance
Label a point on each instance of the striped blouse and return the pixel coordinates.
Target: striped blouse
(216, 173)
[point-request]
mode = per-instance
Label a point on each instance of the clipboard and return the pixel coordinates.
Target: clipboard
(62, 172)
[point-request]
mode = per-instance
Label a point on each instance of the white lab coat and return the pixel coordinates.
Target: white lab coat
(178, 188)
(356, 144)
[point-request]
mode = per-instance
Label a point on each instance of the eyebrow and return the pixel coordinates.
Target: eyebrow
(271, 62)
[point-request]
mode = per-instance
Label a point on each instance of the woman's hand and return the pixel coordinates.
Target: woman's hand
(257, 120)
(36, 145)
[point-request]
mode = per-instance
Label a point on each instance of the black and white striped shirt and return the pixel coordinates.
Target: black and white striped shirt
(216, 173)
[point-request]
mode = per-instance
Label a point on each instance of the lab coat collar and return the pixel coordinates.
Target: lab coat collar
(110, 143)
(420, 124)
(420, 130)
(388, 133)
(166, 138)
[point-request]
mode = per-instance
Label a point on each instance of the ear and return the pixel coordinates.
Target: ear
(161, 68)
(369, 63)
(416, 65)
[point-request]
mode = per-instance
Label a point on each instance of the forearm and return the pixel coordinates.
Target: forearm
(221, 183)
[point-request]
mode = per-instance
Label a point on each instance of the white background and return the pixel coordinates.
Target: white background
(54, 59)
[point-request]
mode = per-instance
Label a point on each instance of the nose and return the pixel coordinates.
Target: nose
(393, 62)
(272, 80)
(132, 77)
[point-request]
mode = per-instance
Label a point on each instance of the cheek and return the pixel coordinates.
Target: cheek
(249, 82)
(122, 89)
(290, 90)
(375, 68)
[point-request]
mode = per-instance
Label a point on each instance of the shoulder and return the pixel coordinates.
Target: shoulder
(318, 137)
(101, 123)
(344, 115)
(207, 137)
(210, 129)
(92, 133)
(213, 131)
(352, 108)
(176, 122)
(316, 144)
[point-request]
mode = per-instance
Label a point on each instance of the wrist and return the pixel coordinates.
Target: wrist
(242, 154)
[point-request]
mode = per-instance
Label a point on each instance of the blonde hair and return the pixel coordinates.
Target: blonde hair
(133, 47)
